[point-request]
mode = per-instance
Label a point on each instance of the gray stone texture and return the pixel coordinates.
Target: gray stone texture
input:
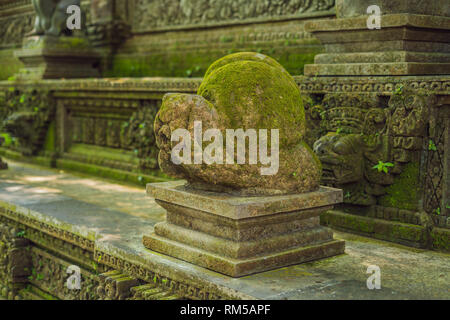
(238, 235)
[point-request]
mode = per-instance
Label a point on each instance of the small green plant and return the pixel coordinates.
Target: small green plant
(22, 98)
(294, 174)
(431, 146)
(315, 76)
(383, 166)
(438, 211)
(20, 234)
(95, 266)
(323, 114)
(447, 206)
(347, 195)
(399, 90)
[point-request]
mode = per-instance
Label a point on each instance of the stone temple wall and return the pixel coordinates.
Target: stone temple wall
(140, 38)
(377, 104)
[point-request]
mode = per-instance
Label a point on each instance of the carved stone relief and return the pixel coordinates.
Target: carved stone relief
(155, 14)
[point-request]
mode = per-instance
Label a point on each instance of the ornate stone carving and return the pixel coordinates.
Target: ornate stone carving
(14, 28)
(360, 132)
(115, 285)
(12, 216)
(435, 203)
(26, 115)
(141, 137)
(14, 261)
(108, 33)
(157, 14)
(187, 290)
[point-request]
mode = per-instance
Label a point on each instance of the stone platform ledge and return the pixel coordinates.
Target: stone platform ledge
(237, 207)
(242, 235)
(119, 215)
(377, 69)
(46, 57)
(394, 231)
(387, 21)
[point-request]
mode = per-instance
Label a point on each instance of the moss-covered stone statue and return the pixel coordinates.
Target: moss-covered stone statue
(51, 16)
(247, 91)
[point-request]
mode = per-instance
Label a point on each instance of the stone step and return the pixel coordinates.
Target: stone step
(244, 249)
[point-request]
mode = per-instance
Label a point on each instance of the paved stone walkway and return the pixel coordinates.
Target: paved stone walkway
(122, 214)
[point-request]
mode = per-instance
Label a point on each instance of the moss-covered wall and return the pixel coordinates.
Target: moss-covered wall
(9, 65)
(405, 192)
(189, 53)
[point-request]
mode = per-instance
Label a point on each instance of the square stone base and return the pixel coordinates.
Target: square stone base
(46, 57)
(237, 235)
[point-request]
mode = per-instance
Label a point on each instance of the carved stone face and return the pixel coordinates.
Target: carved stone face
(342, 158)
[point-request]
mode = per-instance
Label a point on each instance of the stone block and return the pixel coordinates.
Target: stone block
(48, 57)
(241, 235)
(406, 44)
(355, 8)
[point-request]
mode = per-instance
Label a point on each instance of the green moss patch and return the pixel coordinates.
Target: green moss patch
(404, 193)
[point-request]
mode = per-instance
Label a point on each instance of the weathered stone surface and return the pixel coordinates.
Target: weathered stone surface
(51, 16)
(47, 57)
(377, 69)
(406, 273)
(382, 57)
(406, 44)
(3, 165)
(246, 91)
(241, 207)
(238, 235)
(354, 8)
(399, 232)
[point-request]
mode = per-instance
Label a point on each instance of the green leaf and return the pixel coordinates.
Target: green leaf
(431, 146)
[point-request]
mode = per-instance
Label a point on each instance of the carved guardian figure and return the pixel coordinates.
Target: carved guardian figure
(51, 16)
(242, 91)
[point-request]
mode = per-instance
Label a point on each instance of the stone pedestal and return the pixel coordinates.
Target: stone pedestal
(237, 235)
(406, 44)
(47, 57)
